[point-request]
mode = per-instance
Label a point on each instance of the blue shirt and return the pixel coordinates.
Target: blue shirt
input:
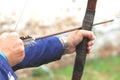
(44, 51)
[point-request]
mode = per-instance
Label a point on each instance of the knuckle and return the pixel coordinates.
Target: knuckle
(4, 34)
(14, 34)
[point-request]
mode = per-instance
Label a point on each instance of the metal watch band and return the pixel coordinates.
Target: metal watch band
(65, 42)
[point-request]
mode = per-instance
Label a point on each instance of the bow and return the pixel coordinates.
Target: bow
(81, 49)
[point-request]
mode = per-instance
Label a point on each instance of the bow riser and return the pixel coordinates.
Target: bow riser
(81, 49)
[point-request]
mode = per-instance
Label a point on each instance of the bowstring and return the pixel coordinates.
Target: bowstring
(21, 14)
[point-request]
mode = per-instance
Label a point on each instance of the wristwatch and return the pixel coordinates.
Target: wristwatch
(65, 43)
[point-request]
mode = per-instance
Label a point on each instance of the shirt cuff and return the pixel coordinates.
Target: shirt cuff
(3, 55)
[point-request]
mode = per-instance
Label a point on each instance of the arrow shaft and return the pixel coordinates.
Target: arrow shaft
(76, 28)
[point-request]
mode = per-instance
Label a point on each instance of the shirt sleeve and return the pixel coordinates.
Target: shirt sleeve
(6, 72)
(44, 51)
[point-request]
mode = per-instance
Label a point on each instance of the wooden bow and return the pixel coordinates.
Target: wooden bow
(81, 49)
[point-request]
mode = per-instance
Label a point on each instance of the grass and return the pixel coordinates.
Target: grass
(102, 69)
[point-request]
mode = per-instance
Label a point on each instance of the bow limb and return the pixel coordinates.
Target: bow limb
(81, 49)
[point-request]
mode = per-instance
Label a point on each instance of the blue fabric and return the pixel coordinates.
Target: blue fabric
(6, 72)
(44, 51)
(3, 55)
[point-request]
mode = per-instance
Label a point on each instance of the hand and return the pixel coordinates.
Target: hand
(12, 46)
(76, 37)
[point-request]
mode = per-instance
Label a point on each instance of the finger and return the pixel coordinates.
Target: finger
(3, 35)
(89, 49)
(88, 34)
(90, 43)
(18, 43)
(15, 34)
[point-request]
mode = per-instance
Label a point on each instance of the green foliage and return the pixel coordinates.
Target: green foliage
(102, 69)
(38, 72)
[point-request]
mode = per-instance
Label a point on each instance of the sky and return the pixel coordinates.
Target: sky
(47, 10)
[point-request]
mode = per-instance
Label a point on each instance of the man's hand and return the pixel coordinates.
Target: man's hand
(12, 46)
(76, 37)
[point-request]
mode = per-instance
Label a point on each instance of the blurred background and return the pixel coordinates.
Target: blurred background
(43, 17)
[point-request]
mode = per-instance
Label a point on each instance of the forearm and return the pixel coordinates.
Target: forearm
(44, 51)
